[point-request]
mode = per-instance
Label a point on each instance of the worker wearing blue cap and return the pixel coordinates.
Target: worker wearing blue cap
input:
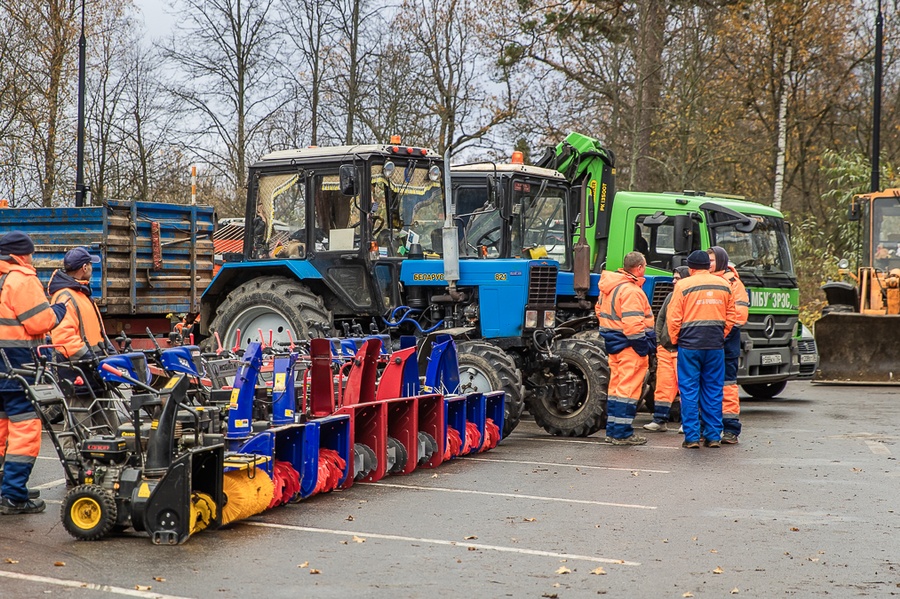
(80, 335)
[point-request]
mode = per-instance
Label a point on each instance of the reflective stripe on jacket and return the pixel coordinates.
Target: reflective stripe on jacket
(622, 310)
(701, 312)
(741, 299)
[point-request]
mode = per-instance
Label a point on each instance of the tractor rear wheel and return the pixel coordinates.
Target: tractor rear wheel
(764, 390)
(574, 405)
(88, 512)
(485, 367)
(276, 304)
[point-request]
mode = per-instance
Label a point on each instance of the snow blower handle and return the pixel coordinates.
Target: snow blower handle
(237, 342)
(153, 339)
(219, 348)
(131, 380)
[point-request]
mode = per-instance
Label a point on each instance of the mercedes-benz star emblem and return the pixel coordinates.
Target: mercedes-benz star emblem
(769, 326)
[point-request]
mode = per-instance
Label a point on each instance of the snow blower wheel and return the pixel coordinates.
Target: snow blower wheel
(88, 512)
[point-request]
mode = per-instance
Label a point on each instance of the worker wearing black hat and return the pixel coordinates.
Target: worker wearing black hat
(700, 316)
(25, 319)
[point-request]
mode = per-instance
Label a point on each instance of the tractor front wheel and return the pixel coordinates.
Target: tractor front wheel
(485, 367)
(88, 512)
(573, 404)
(764, 390)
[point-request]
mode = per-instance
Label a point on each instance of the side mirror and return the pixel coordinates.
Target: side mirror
(854, 212)
(348, 180)
(684, 234)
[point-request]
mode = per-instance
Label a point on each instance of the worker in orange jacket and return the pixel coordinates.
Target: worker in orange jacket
(731, 405)
(666, 387)
(25, 319)
(701, 314)
(80, 335)
(626, 326)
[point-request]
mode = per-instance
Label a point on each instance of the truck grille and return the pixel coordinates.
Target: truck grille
(781, 329)
(541, 286)
(661, 289)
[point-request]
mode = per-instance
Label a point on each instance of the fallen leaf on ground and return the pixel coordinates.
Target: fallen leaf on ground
(472, 549)
(349, 518)
(357, 539)
(550, 595)
(159, 579)
(713, 550)
(314, 571)
(735, 591)
(141, 587)
(794, 529)
(59, 564)
(563, 570)
(434, 476)
(693, 538)
(530, 519)
(10, 560)
(718, 570)
(343, 542)
(471, 538)
(688, 594)
(598, 571)
(303, 565)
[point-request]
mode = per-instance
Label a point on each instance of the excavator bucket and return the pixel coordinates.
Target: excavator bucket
(858, 348)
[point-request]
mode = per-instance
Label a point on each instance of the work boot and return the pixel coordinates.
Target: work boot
(711, 443)
(729, 439)
(33, 493)
(31, 506)
(690, 444)
(656, 427)
(632, 440)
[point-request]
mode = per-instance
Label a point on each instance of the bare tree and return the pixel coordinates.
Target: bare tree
(230, 81)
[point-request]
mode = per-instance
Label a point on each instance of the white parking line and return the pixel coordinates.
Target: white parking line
(598, 442)
(76, 584)
(878, 448)
(512, 495)
(51, 484)
(462, 544)
(481, 459)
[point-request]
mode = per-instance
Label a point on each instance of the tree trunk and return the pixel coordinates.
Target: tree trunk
(782, 128)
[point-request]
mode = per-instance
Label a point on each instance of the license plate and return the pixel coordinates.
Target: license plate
(807, 358)
(771, 359)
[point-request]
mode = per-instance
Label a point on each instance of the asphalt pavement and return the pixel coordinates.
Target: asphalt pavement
(805, 506)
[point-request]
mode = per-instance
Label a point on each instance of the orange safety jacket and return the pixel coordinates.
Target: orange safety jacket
(25, 315)
(741, 298)
(81, 330)
(702, 312)
(624, 314)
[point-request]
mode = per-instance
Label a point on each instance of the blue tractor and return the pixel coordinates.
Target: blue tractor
(355, 240)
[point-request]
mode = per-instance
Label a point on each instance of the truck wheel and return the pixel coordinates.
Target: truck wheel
(271, 303)
(88, 512)
(485, 367)
(582, 411)
(764, 390)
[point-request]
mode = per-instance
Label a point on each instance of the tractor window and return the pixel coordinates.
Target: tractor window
(280, 223)
(337, 216)
(407, 207)
(657, 242)
(544, 222)
(886, 220)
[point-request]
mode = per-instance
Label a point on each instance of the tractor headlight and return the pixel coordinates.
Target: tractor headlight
(388, 169)
(530, 319)
(549, 319)
(434, 173)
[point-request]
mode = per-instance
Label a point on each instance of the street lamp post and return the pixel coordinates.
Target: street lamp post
(876, 104)
(81, 190)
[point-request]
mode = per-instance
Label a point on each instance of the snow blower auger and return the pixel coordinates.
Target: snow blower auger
(115, 484)
(304, 458)
(474, 420)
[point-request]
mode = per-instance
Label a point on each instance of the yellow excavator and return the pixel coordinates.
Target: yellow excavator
(858, 336)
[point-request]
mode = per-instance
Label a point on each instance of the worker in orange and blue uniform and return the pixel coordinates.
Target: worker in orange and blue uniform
(80, 334)
(731, 405)
(701, 314)
(626, 326)
(25, 319)
(666, 387)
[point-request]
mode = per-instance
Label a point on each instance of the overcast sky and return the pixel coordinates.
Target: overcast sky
(157, 16)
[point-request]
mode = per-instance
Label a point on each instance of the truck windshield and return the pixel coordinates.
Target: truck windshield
(407, 207)
(762, 257)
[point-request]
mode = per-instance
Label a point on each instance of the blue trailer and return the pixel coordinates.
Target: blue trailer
(157, 259)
